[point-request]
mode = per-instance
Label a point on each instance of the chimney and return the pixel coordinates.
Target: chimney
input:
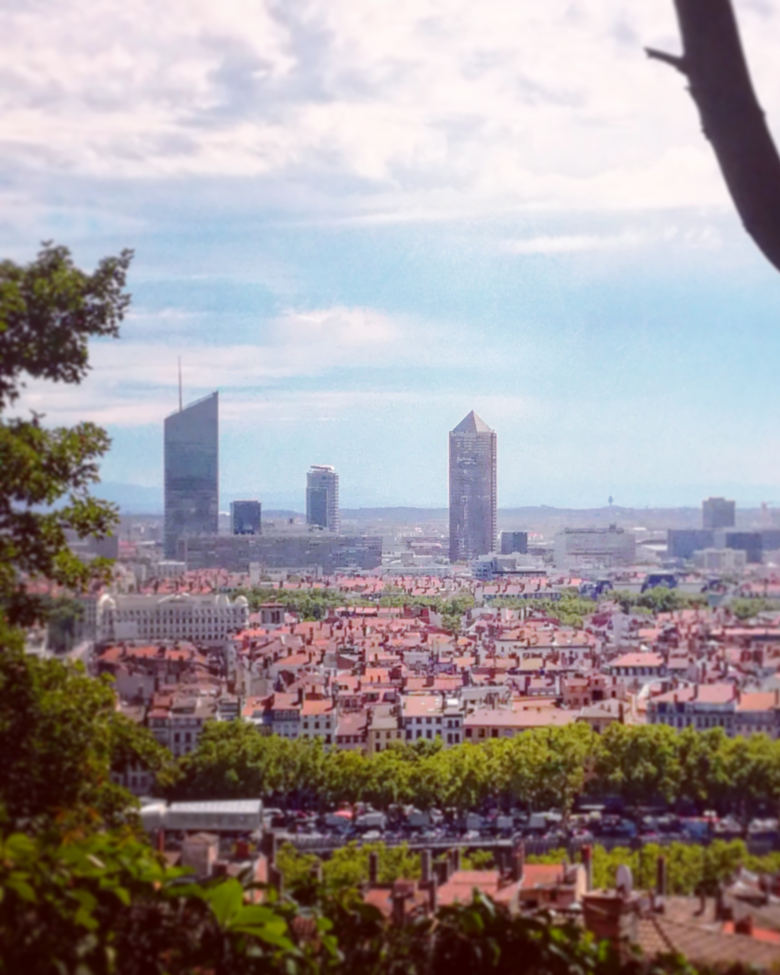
(425, 865)
(402, 889)
(432, 897)
(660, 876)
(611, 916)
(275, 878)
(744, 925)
(373, 868)
(442, 871)
(518, 861)
(587, 861)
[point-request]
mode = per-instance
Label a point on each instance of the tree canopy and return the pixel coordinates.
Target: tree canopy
(49, 309)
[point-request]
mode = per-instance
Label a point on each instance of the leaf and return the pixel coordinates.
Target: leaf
(225, 900)
(21, 887)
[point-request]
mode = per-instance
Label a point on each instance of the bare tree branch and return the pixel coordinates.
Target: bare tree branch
(732, 119)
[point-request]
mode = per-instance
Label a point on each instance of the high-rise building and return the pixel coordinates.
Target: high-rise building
(322, 497)
(472, 489)
(717, 513)
(191, 461)
(245, 517)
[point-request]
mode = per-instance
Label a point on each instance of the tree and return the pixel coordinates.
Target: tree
(640, 764)
(49, 309)
(720, 85)
(61, 738)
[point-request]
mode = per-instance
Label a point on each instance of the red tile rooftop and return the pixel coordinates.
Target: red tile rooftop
(638, 659)
(758, 701)
(518, 719)
(314, 707)
(352, 723)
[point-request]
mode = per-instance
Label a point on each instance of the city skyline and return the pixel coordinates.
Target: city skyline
(520, 216)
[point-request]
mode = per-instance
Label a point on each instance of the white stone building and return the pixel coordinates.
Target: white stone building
(181, 616)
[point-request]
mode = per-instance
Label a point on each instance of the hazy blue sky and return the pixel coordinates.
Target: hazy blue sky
(360, 219)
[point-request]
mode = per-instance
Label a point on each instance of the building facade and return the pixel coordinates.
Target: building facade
(180, 616)
(681, 543)
(245, 517)
(717, 513)
(322, 497)
(514, 542)
(603, 547)
(191, 462)
(326, 551)
(472, 489)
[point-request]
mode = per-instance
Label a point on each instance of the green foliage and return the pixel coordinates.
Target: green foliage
(744, 608)
(571, 609)
(315, 604)
(639, 764)
(63, 616)
(659, 599)
(61, 738)
(48, 311)
(691, 868)
(545, 768)
(107, 904)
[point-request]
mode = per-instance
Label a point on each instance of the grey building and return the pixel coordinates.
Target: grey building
(514, 542)
(681, 543)
(751, 543)
(322, 497)
(604, 547)
(245, 517)
(472, 489)
(326, 551)
(191, 462)
(717, 513)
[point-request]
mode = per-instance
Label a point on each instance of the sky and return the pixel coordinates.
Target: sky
(360, 219)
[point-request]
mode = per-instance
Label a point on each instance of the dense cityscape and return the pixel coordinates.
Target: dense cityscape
(375, 661)
(437, 628)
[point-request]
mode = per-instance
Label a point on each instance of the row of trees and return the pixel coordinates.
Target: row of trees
(547, 768)
(690, 868)
(315, 604)
(571, 609)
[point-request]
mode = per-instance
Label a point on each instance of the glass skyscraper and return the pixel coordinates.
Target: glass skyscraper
(472, 489)
(322, 497)
(191, 448)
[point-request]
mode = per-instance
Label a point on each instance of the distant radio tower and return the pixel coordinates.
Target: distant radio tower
(610, 499)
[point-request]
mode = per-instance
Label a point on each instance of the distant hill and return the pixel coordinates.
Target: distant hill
(534, 518)
(134, 499)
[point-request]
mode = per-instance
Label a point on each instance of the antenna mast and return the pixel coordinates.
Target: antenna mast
(179, 384)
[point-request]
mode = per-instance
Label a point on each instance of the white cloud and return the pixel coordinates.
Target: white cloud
(572, 243)
(695, 236)
(408, 107)
(133, 382)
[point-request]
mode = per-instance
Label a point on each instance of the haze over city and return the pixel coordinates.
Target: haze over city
(359, 222)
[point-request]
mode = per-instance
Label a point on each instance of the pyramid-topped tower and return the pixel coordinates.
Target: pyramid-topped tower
(473, 504)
